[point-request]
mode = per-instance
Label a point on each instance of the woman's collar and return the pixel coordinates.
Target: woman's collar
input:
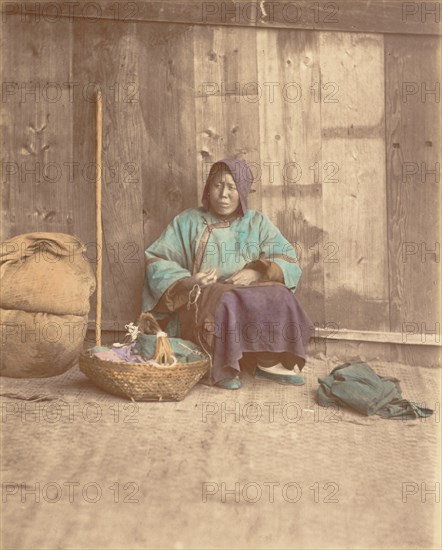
(235, 216)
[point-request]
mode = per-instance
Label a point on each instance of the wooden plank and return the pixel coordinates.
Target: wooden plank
(226, 12)
(106, 56)
(365, 16)
(36, 127)
(414, 197)
(167, 106)
(356, 263)
(290, 141)
(411, 338)
(226, 101)
(368, 16)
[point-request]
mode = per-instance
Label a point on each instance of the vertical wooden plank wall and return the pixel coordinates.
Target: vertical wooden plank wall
(354, 199)
(290, 142)
(413, 145)
(37, 116)
(106, 55)
(167, 109)
(227, 120)
(179, 96)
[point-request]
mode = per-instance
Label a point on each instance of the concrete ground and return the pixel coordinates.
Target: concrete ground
(262, 467)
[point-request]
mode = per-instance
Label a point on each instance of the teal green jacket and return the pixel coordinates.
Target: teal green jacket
(197, 240)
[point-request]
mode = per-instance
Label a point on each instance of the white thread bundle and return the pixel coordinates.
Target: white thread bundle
(164, 356)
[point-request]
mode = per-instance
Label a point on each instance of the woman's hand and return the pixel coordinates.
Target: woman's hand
(203, 279)
(244, 277)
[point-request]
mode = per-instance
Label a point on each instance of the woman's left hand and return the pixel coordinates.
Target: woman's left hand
(244, 277)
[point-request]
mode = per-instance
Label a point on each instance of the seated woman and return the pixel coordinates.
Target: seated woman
(224, 277)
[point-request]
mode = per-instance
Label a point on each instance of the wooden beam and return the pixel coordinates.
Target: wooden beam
(369, 16)
(377, 16)
(414, 338)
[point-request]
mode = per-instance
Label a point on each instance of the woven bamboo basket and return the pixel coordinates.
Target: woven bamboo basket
(142, 381)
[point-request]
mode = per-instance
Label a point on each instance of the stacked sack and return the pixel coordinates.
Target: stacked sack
(45, 286)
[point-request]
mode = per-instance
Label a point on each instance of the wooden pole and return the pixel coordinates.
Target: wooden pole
(99, 229)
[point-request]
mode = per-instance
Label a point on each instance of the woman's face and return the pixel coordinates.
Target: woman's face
(223, 196)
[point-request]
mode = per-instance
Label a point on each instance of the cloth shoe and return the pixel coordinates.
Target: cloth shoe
(229, 383)
(278, 373)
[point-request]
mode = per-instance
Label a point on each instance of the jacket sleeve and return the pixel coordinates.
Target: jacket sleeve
(175, 297)
(276, 249)
(167, 260)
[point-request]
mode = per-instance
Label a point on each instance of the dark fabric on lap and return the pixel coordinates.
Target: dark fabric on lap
(200, 318)
(267, 319)
(232, 320)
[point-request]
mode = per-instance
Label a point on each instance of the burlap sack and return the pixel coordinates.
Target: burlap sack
(45, 285)
(46, 272)
(36, 345)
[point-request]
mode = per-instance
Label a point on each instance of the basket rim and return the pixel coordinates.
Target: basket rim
(86, 355)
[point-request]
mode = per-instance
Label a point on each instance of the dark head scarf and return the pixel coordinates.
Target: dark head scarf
(241, 174)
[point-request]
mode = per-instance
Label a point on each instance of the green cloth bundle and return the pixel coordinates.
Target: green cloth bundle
(357, 386)
(184, 350)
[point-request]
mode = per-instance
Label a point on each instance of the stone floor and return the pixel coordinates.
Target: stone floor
(262, 467)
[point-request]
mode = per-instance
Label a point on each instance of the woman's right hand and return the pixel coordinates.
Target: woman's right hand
(203, 279)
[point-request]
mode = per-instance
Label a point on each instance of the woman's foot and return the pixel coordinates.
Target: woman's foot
(278, 373)
(229, 383)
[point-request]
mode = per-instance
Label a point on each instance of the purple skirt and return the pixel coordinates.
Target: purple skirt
(256, 319)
